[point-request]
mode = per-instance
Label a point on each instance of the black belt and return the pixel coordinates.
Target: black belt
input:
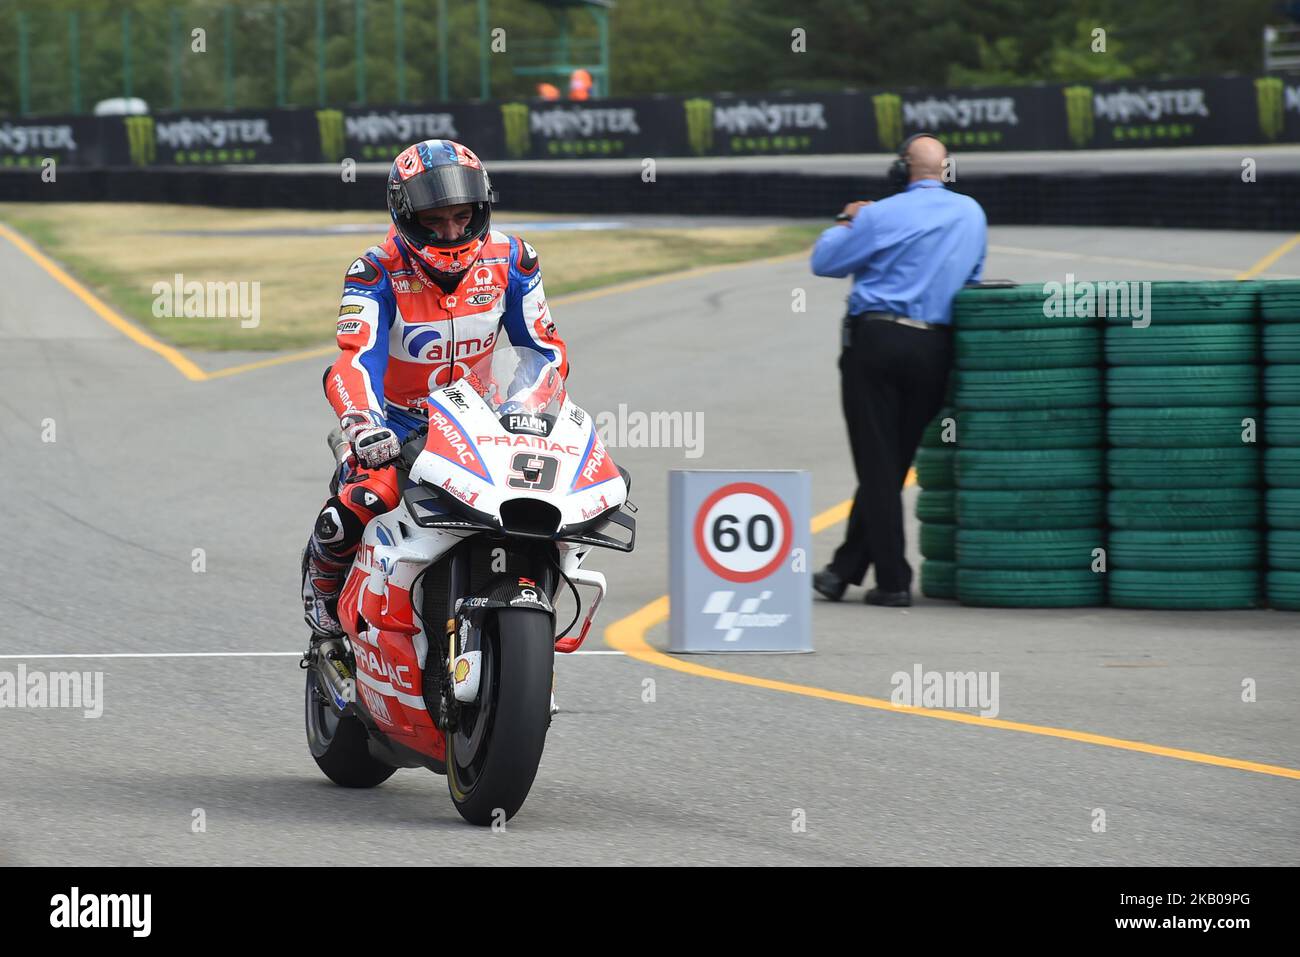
(846, 336)
(903, 320)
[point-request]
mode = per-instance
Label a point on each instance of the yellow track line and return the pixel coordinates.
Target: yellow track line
(628, 636)
(133, 332)
(1271, 258)
(275, 361)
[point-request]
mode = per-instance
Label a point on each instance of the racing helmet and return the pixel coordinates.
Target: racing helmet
(437, 173)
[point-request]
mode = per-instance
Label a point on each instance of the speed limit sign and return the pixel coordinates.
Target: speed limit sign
(738, 561)
(742, 532)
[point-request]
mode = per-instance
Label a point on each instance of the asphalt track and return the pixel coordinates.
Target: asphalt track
(150, 464)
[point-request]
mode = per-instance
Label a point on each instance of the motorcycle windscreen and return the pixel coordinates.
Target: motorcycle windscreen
(521, 387)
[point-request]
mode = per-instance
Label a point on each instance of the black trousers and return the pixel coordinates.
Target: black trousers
(892, 383)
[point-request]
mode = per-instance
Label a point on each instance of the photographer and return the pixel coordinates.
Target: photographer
(909, 255)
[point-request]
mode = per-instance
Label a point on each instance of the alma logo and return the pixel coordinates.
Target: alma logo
(75, 910)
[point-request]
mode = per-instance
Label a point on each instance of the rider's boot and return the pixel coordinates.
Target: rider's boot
(322, 576)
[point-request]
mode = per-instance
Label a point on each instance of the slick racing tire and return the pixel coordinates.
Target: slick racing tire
(938, 541)
(1185, 427)
(492, 757)
(1054, 588)
(1163, 386)
(338, 744)
(1183, 468)
(1284, 590)
(1027, 389)
(1004, 349)
(1219, 589)
(939, 579)
(1082, 428)
(934, 468)
(1181, 345)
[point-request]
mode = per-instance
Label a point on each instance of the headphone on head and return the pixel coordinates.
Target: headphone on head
(900, 170)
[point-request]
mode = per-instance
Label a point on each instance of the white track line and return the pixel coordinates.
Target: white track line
(221, 654)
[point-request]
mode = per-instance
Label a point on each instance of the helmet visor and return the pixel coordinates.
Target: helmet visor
(447, 185)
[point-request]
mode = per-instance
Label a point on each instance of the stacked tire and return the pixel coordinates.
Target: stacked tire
(1029, 460)
(936, 510)
(1280, 310)
(1184, 501)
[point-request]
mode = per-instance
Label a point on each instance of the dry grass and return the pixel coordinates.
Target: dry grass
(122, 250)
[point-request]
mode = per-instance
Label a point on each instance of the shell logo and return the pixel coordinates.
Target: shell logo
(462, 670)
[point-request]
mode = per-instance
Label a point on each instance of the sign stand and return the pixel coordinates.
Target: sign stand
(739, 553)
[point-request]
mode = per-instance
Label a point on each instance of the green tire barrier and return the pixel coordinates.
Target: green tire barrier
(1164, 386)
(1282, 467)
(1184, 589)
(1051, 348)
(1186, 428)
(1283, 508)
(1284, 550)
(938, 541)
(939, 579)
(999, 588)
(934, 468)
(1236, 467)
(1284, 590)
(1082, 428)
(1178, 345)
(1279, 300)
(1031, 509)
(1027, 389)
(932, 437)
(1029, 468)
(935, 505)
(1177, 510)
(1219, 301)
(1034, 549)
(1281, 425)
(1282, 385)
(1282, 342)
(1021, 307)
(1205, 550)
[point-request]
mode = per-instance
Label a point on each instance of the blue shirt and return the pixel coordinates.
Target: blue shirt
(909, 254)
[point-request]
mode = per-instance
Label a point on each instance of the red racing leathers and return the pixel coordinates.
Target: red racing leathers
(400, 336)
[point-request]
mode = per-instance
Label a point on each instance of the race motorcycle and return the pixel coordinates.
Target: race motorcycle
(448, 610)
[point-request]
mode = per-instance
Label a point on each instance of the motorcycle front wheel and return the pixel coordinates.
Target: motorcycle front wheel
(493, 756)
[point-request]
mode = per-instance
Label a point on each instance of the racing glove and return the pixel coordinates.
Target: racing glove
(373, 443)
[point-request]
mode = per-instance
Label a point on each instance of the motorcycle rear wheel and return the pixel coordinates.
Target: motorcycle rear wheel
(338, 743)
(492, 758)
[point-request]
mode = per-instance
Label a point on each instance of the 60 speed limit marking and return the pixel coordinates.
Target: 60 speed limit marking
(743, 532)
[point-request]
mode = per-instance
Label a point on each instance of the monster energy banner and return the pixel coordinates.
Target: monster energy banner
(27, 142)
(207, 139)
(378, 134)
(978, 118)
(1173, 113)
(763, 124)
(592, 129)
(1205, 111)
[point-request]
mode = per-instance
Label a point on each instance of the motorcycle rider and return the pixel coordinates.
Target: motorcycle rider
(416, 313)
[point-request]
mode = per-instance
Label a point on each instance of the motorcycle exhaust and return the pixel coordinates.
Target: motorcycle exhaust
(333, 669)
